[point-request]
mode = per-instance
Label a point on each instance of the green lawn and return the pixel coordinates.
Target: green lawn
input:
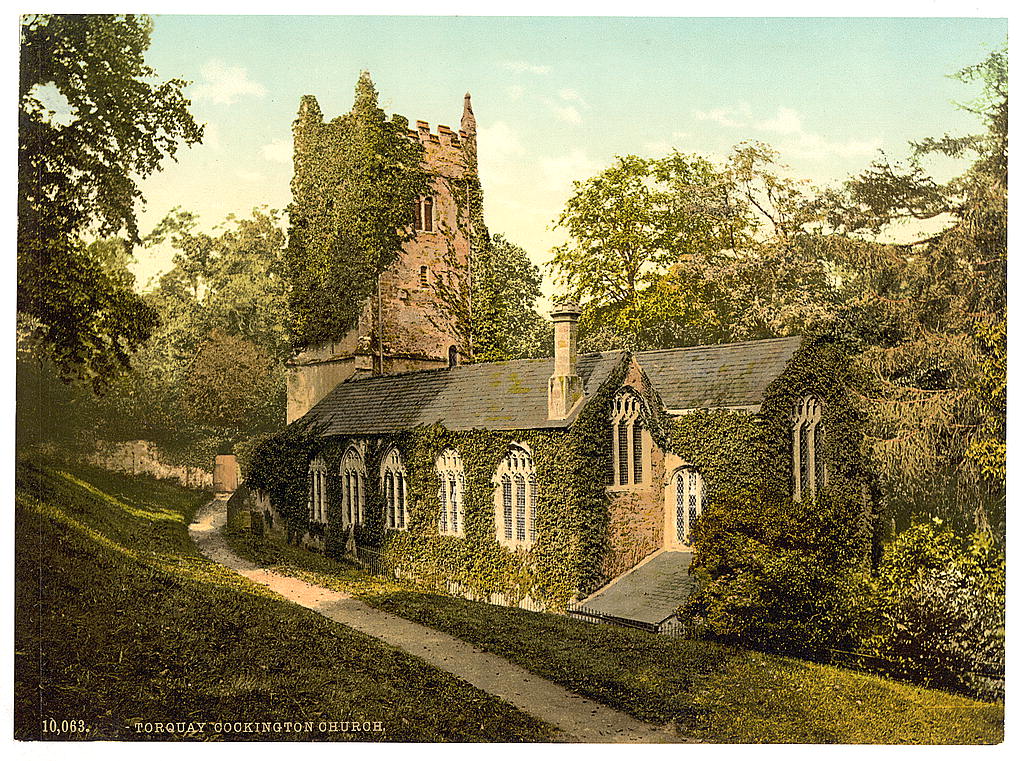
(119, 622)
(710, 692)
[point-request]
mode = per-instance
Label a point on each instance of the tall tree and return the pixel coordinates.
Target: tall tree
(78, 172)
(631, 221)
(930, 314)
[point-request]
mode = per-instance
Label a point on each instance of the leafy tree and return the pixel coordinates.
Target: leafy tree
(77, 174)
(493, 310)
(214, 371)
(234, 386)
(355, 181)
(930, 315)
(631, 221)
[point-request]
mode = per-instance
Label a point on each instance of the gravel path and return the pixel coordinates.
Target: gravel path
(579, 719)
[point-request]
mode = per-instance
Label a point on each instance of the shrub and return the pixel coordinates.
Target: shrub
(941, 609)
(780, 575)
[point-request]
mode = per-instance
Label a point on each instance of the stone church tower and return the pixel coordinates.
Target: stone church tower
(417, 331)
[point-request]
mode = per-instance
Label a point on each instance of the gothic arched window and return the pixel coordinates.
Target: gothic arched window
(688, 492)
(353, 487)
(318, 490)
(393, 484)
(809, 473)
(451, 493)
(515, 498)
(627, 430)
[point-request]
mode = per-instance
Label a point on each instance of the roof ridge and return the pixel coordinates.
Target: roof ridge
(721, 345)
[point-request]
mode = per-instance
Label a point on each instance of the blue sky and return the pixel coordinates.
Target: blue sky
(557, 98)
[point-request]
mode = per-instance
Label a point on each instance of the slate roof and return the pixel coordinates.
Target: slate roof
(720, 375)
(500, 396)
(505, 396)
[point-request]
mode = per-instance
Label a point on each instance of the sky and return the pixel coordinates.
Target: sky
(556, 99)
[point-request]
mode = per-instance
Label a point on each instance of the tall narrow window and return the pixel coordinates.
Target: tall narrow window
(392, 478)
(627, 466)
(516, 498)
(638, 451)
(318, 491)
(353, 476)
(809, 471)
(451, 491)
(689, 502)
(423, 214)
(428, 213)
(506, 504)
(623, 452)
(424, 276)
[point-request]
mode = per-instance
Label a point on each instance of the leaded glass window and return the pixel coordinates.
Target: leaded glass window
(451, 487)
(627, 465)
(810, 470)
(318, 490)
(516, 498)
(393, 485)
(689, 503)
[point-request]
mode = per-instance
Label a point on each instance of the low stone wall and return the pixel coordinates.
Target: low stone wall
(144, 457)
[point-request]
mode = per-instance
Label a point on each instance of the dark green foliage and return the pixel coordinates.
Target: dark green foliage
(776, 573)
(355, 181)
(77, 173)
(941, 610)
(506, 284)
(279, 466)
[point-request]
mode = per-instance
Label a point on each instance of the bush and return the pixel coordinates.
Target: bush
(941, 609)
(780, 575)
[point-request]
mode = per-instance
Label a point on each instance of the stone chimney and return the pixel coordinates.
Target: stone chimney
(565, 387)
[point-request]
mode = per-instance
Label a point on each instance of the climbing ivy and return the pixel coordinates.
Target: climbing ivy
(774, 572)
(355, 181)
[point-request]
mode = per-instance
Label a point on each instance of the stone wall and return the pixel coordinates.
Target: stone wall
(144, 457)
(636, 513)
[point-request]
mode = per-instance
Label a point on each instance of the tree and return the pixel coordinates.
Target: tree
(355, 181)
(930, 315)
(214, 370)
(631, 221)
(78, 173)
(675, 251)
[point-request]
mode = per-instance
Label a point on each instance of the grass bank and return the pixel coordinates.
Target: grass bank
(119, 623)
(708, 691)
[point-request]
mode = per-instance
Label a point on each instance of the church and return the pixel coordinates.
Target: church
(541, 483)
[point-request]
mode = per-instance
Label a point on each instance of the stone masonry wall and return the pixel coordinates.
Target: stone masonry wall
(144, 457)
(636, 526)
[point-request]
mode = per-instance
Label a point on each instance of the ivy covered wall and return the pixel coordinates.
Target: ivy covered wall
(587, 533)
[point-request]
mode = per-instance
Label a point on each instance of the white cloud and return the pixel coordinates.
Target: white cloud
(560, 171)
(786, 132)
(501, 154)
(515, 92)
(570, 95)
(224, 84)
(525, 67)
(279, 151)
(733, 116)
(786, 122)
(566, 113)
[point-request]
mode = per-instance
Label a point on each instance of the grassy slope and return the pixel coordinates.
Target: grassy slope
(119, 620)
(711, 692)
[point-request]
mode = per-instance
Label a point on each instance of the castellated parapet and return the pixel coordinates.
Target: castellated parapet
(416, 330)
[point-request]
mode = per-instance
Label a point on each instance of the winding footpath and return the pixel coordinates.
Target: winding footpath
(578, 719)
